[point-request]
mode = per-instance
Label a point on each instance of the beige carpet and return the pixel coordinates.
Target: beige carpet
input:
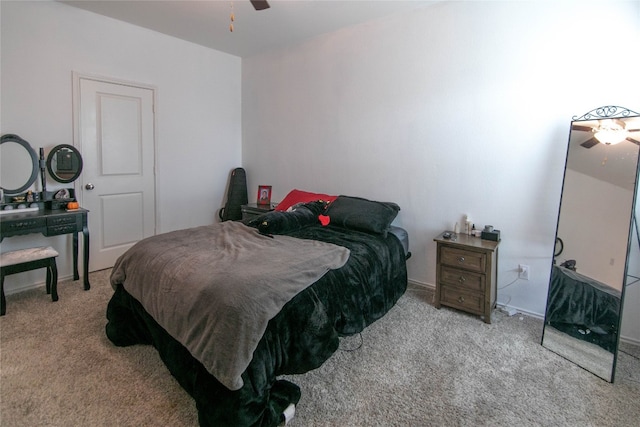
(417, 366)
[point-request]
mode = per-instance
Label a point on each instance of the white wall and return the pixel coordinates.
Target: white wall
(198, 139)
(629, 329)
(458, 108)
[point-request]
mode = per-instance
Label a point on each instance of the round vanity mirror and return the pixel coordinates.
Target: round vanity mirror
(64, 163)
(19, 164)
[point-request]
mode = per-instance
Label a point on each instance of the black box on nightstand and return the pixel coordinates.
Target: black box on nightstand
(493, 235)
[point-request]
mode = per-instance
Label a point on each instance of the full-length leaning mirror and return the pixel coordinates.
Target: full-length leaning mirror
(593, 239)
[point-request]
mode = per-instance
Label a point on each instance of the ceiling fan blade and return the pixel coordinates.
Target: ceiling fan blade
(634, 141)
(589, 143)
(633, 130)
(260, 4)
(582, 128)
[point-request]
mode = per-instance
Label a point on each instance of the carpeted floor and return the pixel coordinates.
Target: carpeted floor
(418, 366)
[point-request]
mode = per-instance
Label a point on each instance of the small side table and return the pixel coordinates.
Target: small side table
(467, 274)
(252, 210)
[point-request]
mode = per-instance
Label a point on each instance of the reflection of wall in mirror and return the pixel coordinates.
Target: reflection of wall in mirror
(629, 331)
(15, 165)
(594, 225)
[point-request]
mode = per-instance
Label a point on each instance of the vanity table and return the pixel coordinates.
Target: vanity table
(42, 212)
(52, 223)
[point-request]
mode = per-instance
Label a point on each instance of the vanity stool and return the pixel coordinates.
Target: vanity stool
(29, 259)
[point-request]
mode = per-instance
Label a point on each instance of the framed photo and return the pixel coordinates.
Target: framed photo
(264, 194)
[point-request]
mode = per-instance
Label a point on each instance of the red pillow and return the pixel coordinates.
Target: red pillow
(298, 196)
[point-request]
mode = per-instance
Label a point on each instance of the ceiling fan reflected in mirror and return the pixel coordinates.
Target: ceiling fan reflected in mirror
(607, 131)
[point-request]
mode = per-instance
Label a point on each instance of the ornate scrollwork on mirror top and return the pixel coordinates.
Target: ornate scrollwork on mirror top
(606, 112)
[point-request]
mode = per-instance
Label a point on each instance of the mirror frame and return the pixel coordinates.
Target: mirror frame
(601, 113)
(50, 159)
(34, 161)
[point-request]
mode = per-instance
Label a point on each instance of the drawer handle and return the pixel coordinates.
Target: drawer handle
(461, 299)
(460, 259)
(462, 279)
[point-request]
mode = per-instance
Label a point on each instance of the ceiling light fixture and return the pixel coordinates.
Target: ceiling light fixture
(610, 132)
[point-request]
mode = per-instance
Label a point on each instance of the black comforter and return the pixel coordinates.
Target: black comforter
(300, 338)
(583, 308)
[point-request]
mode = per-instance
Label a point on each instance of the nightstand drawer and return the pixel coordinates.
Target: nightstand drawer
(462, 278)
(470, 302)
(476, 261)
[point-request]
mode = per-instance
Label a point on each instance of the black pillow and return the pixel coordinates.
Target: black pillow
(355, 213)
(277, 222)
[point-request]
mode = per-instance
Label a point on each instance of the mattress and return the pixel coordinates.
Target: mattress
(403, 236)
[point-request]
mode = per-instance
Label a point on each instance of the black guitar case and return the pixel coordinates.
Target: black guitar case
(236, 196)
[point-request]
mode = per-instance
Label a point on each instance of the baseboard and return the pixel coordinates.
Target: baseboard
(418, 284)
(629, 340)
(30, 286)
(511, 309)
(505, 308)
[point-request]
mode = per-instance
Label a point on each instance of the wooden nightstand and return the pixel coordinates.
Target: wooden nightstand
(251, 210)
(467, 274)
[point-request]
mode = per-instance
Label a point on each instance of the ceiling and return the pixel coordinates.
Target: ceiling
(285, 23)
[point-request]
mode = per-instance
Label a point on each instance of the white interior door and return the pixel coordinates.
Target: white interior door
(116, 138)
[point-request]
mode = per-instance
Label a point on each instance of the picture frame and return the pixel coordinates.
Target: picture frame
(264, 195)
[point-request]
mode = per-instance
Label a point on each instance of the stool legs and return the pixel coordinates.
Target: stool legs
(52, 277)
(52, 280)
(48, 282)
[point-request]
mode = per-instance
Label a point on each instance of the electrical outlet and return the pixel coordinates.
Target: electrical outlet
(523, 272)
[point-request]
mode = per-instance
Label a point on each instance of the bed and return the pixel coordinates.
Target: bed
(583, 308)
(229, 360)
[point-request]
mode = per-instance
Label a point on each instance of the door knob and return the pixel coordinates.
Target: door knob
(89, 186)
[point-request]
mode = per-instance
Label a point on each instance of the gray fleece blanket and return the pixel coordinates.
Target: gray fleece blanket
(215, 288)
